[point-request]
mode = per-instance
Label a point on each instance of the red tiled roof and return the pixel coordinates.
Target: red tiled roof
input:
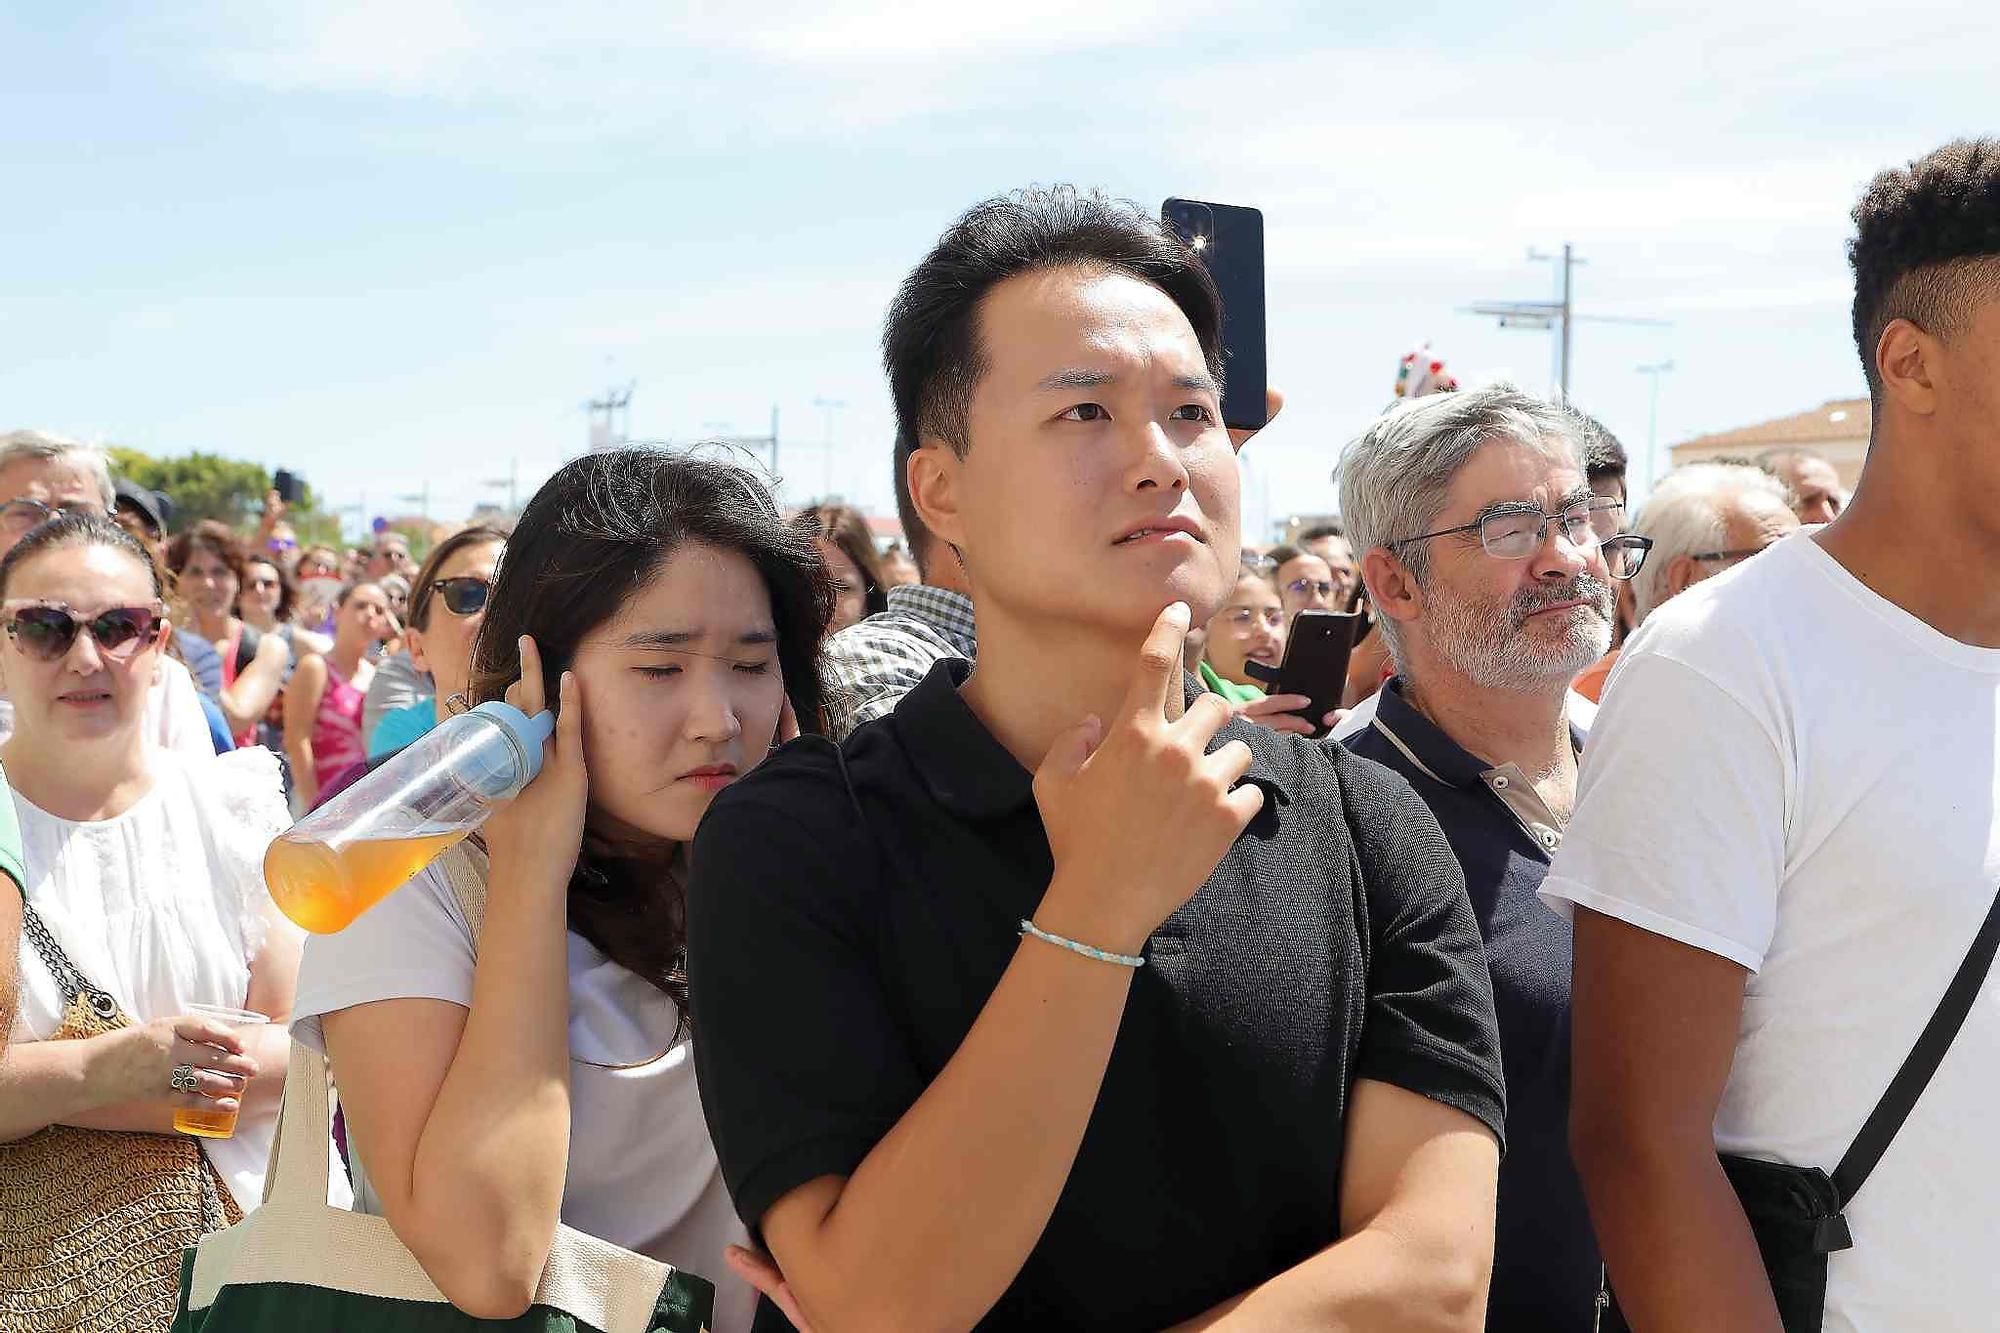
(1837, 419)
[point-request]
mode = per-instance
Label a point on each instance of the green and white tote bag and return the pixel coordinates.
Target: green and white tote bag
(300, 1265)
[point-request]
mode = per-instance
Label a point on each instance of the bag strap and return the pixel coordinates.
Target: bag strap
(464, 871)
(297, 1171)
(69, 978)
(301, 1153)
(1922, 1062)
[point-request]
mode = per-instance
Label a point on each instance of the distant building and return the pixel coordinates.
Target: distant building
(1293, 524)
(499, 516)
(886, 529)
(1838, 429)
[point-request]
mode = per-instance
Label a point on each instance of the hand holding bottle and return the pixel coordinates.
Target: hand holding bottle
(540, 831)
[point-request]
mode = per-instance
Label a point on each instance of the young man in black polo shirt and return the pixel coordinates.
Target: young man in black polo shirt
(1477, 528)
(941, 1087)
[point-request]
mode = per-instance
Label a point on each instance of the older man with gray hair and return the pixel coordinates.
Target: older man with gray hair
(1478, 535)
(1703, 518)
(42, 475)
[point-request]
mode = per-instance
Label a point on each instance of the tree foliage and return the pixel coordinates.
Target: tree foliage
(205, 486)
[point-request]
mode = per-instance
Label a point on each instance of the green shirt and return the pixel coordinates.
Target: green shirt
(10, 838)
(1228, 689)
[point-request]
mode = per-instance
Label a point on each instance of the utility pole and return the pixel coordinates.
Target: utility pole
(1653, 372)
(1548, 314)
(829, 406)
(512, 481)
(422, 500)
(1565, 307)
(360, 511)
(756, 445)
(609, 432)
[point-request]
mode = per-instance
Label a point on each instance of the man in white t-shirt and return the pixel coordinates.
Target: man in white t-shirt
(1788, 834)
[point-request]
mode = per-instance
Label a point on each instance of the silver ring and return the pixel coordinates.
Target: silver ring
(183, 1079)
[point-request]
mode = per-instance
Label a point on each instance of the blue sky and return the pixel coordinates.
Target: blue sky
(398, 244)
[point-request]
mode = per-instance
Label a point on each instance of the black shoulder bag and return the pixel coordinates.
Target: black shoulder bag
(1796, 1211)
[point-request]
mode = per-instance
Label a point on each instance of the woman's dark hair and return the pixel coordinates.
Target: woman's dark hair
(930, 342)
(1926, 245)
(79, 528)
(218, 539)
(422, 589)
(288, 589)
(595, 535)
(844, 526)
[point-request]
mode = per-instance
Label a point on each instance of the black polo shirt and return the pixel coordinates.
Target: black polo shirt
(1545, 1265)
(851, 910)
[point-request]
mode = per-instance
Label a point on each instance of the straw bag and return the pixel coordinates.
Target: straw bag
(299, 1265)
(92, 1221)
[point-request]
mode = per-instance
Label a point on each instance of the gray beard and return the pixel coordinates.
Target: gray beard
(1483, 642)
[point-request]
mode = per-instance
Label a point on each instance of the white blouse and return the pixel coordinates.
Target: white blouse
(162, 906)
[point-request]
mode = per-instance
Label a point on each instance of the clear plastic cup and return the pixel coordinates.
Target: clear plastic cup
(203, 1123)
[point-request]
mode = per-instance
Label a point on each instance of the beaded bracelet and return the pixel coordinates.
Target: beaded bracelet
(1088, 951)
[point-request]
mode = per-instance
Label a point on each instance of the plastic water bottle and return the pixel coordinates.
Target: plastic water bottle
(369, 840)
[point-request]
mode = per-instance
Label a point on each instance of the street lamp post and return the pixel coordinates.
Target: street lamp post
(1653, 372)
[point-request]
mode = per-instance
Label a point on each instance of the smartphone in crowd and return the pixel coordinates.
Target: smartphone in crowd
(1315, 662)
(291, 488)
(1230, 240)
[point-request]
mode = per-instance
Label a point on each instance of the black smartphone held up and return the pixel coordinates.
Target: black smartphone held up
(1230, 240)
(1315, 665)
(290, 488)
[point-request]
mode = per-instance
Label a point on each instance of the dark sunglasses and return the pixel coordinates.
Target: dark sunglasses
(48, 631)
(462, 596)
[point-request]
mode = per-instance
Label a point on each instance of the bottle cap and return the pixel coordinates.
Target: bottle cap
(526, 732)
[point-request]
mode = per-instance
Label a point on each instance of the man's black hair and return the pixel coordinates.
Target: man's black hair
(1603, 456)
(1331, 528)
(1926, 245)
(931, 340)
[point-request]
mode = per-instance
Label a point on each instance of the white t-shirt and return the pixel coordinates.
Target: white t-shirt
(642, 1170)
(1800, 776)
(174, 716)
(163, 906)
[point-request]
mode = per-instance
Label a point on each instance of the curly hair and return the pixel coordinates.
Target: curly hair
(1926, 237)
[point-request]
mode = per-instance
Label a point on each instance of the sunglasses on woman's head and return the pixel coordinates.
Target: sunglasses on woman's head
(47, 630)
(462, 596)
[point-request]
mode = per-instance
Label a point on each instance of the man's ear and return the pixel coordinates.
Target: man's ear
(1682, 573)
(1907, 359)
(413, 642)
(935, 474)
(1392, 589)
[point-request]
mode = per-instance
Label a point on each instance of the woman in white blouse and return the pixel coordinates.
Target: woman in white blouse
(144, 866)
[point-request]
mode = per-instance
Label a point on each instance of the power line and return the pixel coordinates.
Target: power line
(1559, 313)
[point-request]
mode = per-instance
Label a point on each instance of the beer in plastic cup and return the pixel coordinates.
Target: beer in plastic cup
(204, 1123)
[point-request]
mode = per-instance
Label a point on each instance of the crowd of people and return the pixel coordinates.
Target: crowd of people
(964, 934)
